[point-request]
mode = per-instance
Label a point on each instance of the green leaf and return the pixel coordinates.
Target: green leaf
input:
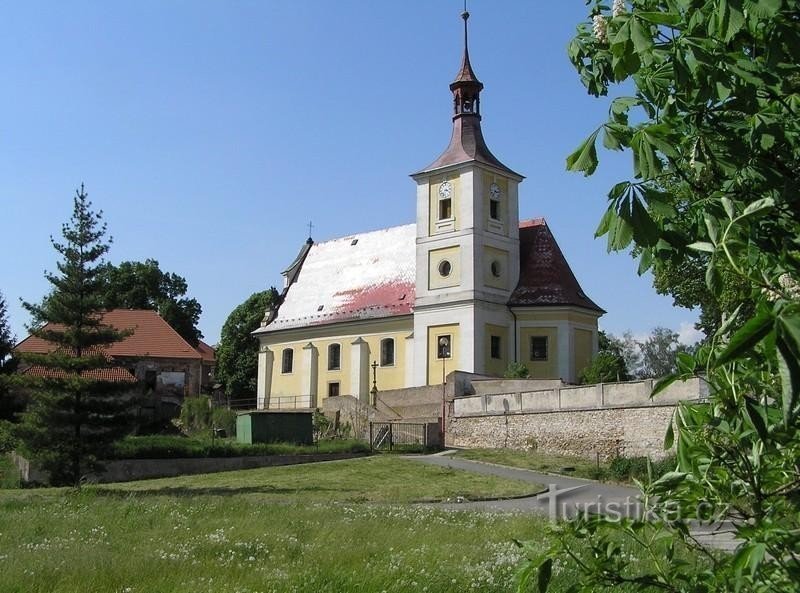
(642, 40)
(754, 415)
(701, 246)
(669, 480)
(750, 334)
(788, 345)
(763, 9)
(729, 208)
(663, 383)
(660, 18)
(585, 156)
(758, 206)
(605, 222)
(714, 278)
(712, 226)
(645, 231)
(669, 438)
(544, 575)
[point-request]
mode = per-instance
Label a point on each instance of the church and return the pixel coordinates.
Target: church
(468, 287)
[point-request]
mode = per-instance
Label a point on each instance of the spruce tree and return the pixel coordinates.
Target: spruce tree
(76, 411)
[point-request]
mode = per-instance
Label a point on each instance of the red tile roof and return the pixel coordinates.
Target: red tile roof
(545, 277)
(152, 337)
(207, 352)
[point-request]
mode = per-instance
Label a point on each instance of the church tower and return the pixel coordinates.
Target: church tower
(467, 247)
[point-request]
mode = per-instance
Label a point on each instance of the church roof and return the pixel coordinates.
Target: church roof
(364, 276)
(372, 275)
(545, 278)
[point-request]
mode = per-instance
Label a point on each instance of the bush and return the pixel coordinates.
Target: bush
(517, 370)
(604, 368)
(196, 413)
(8, 441)
(625, 469)
(225, 419)
(174, 447)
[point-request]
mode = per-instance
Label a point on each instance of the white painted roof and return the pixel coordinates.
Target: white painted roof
(369, 275)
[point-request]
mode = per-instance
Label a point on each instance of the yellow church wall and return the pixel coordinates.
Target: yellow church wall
(558, 315)
(496, 366)
(371, 331)
(289, 382)
(435, 258)
(502, 183)
(540, 369)
(583, 349)
(433, 203)
(490, 255)
(435, 365)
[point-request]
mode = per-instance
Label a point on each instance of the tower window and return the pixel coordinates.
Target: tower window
(494, 209)
(443, 346)
(334, 357)
(495, 347)
(445, 209)
(287, 360)
(539, 348)
(387, 352)
(445, 267)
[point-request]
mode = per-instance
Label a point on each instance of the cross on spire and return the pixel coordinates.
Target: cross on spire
(310, 226)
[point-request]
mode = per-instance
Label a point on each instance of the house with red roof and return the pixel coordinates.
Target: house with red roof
(467, 287)
(153, 355)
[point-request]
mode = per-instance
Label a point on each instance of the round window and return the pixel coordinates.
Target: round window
(445, 268)
(495, 267)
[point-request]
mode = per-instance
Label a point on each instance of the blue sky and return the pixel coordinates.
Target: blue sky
(210, 133)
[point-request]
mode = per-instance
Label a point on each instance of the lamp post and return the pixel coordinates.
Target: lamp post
(374, 391)
(444, 354)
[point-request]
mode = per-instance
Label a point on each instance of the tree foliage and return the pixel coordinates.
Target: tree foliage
(74, 415)
(237, 352)
(715, 104)
(143, 285)
(6, 338)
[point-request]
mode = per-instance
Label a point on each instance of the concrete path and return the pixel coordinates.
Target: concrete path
(564, 497)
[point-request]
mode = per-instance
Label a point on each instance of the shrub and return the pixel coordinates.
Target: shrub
(225, 419)
(196, 413)
(516, 370)
(8, 440)
(635, 468)
(174, 447)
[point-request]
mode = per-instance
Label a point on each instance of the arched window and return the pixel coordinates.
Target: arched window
(287, 360)
(387, 352)
(334, 357)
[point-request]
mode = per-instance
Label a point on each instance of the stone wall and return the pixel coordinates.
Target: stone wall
(607, 419)
(629, 432)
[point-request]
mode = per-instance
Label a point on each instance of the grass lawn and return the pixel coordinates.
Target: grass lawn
(554, 464)
(285, 529)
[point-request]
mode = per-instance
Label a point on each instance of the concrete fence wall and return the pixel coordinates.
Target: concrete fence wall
(609, 420)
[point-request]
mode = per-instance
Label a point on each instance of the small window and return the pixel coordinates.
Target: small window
(494, 209)
(495, 347)
(445, 267)
(495, 267)
(443, 344)
(333, 389)
(445, 209)
(387, 352)
(334, 357)
(539, 348)
(287, 360)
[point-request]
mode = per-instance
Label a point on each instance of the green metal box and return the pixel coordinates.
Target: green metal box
(275, 426)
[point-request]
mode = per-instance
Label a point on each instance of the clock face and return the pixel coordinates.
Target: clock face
(445, 189)
(494, 191)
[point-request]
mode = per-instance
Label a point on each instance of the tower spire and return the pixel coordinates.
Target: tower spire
(466, 87)
(466, 143)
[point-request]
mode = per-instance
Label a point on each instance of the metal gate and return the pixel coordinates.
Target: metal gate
(400, 436)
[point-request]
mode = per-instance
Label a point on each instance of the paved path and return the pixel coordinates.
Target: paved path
(564, 497)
